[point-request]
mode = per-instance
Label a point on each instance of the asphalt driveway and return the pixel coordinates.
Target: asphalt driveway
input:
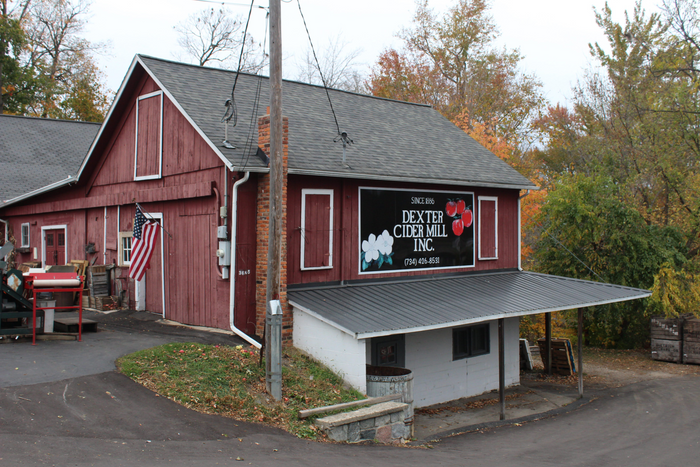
(58, 417)
(121, 333)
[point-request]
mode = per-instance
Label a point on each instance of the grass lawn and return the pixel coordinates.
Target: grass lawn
(229, 381)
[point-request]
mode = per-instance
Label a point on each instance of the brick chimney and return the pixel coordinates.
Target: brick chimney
(262, 230)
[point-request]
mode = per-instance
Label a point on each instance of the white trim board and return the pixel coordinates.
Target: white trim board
(137, 177)
(140, 290)
(43, 240)
(495, 227)
(316, 191)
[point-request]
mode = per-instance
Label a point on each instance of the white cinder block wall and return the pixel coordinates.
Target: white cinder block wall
(337, 350)
(437, 378)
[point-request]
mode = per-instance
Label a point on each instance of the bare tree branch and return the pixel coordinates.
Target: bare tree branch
(211, 35)
(338, 65)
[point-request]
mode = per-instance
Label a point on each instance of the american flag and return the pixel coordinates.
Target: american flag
(142, 244)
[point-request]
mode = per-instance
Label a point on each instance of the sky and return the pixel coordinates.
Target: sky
(551, 35)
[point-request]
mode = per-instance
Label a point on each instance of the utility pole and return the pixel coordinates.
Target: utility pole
(273, 317)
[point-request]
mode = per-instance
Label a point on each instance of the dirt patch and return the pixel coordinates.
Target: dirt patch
(614, 368)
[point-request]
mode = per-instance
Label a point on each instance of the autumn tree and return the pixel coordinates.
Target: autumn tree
(72, 85)
(12, 40)
(632, 134)
(213, 36)
(452, 63)
(588, 231)
(49, 70)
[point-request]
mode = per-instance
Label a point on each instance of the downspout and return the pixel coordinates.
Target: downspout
(104, 240)
(520, 233)
(232, 296)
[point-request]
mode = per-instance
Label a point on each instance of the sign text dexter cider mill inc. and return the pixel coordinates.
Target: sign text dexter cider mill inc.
(415, 230)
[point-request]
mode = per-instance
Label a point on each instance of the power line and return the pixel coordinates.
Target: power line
(232, 3)
(318, 66)
(256, 104)
(231, 112)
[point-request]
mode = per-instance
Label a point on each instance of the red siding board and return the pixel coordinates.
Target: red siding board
(148, 136)
(346, 224)
(316, 231)
(246, 262)
(487, 230)
(185, 196)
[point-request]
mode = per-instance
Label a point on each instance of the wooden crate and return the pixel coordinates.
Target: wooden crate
(691, 341)
(562, 356)
(666, 329)
(98, 281)
(666, 350)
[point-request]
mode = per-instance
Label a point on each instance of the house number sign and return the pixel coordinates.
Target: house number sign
(415, 230)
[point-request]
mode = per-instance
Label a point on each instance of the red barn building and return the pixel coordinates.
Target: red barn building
(401, 249)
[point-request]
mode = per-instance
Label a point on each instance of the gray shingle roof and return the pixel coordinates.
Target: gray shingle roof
(392, 140)
(404, 306)
(36, 152)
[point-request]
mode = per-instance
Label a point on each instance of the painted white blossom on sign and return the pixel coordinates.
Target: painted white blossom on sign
(369, 247)
(377, 250)
(385, 243)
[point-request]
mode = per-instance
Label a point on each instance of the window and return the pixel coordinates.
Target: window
(316, 229)
(125, 248)
(148, 159)
(389, 351)
(25, 235)
(470, 341)
(488, 227)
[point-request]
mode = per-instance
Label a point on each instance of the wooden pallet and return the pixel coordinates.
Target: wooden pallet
(562, 356)
(98, 281)
(72, 325)
(80, 268)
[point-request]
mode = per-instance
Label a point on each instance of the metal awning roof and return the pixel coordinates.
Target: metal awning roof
(426, 303)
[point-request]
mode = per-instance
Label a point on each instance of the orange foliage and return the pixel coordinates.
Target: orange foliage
(530, 204)
(486, 136)
(402, 76)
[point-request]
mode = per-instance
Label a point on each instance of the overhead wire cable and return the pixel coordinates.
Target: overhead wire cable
(233, 114)
(318, 66)
(256, 103)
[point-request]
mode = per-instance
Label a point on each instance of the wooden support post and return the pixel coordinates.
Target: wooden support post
(548, 339)
(501, 369)
(274, 252)
(580, 352)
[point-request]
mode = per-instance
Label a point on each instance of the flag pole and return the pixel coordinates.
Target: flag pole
(150, 216)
